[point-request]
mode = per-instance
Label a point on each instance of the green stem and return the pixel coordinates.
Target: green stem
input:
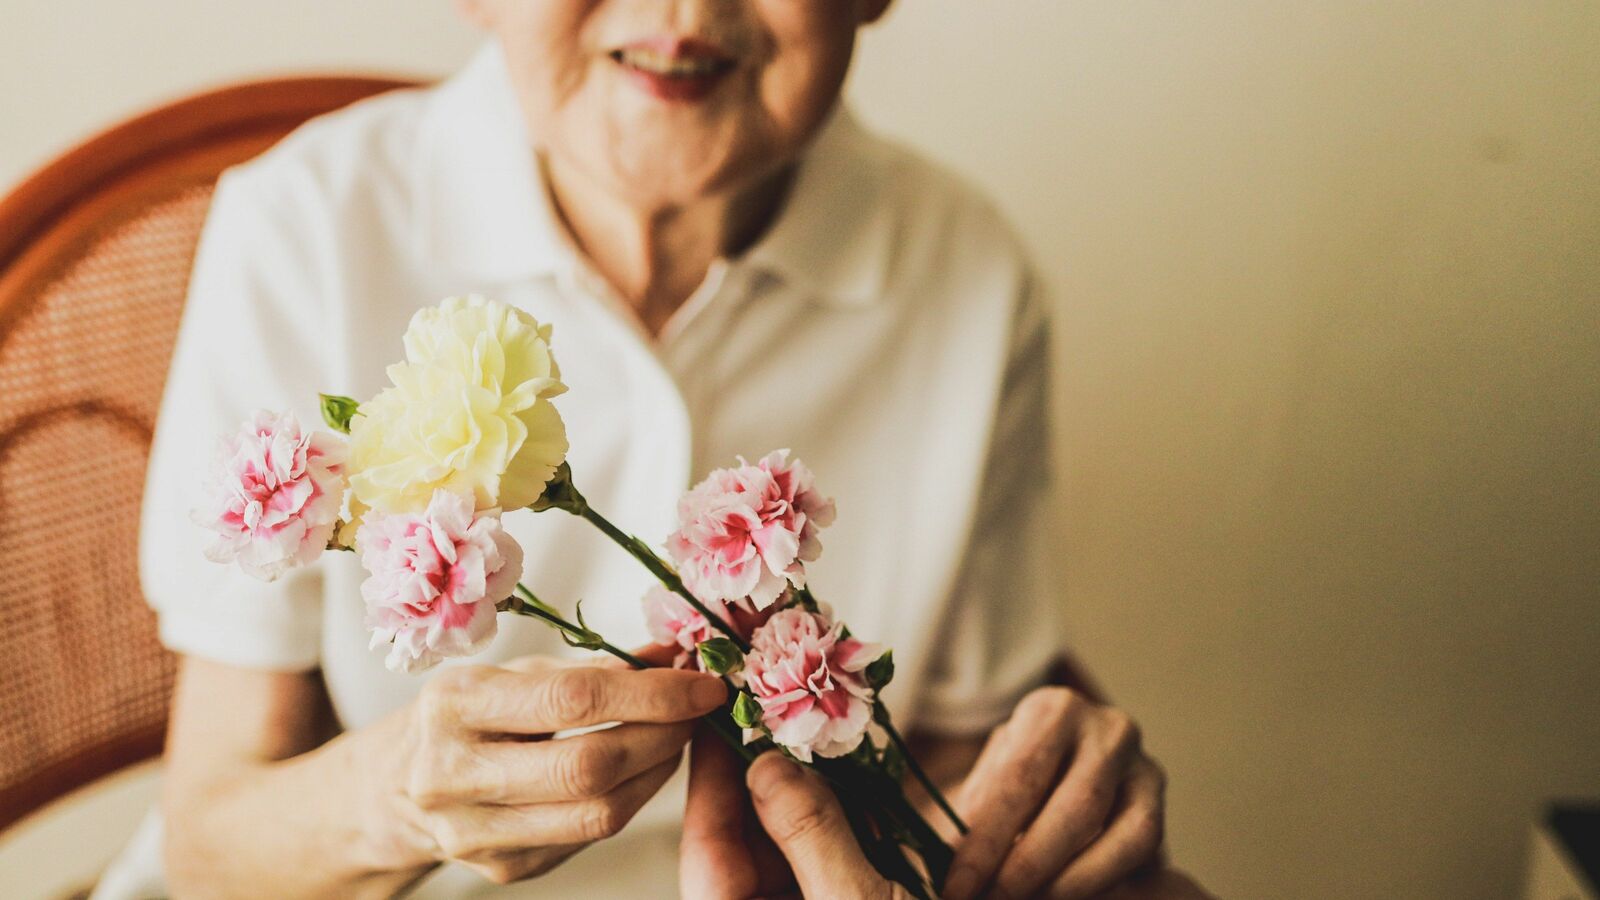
(720, 721)
(916, 769)
(894, 812)
(900, 815)
(661, 570)
(561, 493)
(517, 605)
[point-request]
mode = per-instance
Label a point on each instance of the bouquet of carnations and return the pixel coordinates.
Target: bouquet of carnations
(467, 432)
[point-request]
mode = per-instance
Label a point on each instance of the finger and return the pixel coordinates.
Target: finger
(660, 655)
(584, 766)
(1131, 839)
(725, 852)
(1162, 883)
(713, 861)
(652, 655)
(1076, 810)
(800, 813)
(533, 664)
(479, 830)
(506, 866)
(717, 796)
(1009, 783)
(499, 700)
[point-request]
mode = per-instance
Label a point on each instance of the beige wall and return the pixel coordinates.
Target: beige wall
(1330, 319)
(1329, 293)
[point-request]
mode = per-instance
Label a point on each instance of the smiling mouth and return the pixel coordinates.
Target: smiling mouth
(668, 65)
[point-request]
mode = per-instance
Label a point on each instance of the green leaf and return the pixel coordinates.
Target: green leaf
(720, 656)
(337, 411)
(582, 637)
(746, 711)
(881, 671)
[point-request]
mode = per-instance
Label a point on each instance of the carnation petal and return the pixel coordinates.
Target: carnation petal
(434, 579)
(803, 675)
(465, 412)
(274, 495)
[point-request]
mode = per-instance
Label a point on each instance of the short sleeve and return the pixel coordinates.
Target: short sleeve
(249, 339)
(1002, 631)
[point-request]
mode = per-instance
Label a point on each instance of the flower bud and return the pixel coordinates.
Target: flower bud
(880, 671)
(560, 493)
(337, 411)
(720, 656)
(746, 711)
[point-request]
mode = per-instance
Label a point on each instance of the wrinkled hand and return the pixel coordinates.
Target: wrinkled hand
(1061, 803)
(807, 830)
(476, 779)
(804, 820)
(726, 854)
(1161, 884)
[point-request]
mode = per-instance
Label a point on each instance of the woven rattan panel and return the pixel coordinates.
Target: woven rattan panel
(81, 373)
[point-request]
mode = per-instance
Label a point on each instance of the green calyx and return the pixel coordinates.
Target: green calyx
(746, 711)
(880, 671)
(720, 656)
(560, 493)
(337, 411)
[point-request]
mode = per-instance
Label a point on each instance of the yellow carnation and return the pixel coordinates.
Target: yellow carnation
(469, 412)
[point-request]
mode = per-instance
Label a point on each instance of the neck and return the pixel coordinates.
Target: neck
(654, 255)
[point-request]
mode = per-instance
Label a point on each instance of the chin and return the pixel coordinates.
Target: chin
(686, 167)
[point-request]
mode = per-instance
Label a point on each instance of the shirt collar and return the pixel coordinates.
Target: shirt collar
(835, 235)
(482, 209)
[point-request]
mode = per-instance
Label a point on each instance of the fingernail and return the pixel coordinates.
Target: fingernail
(769, 772)
(708, 692)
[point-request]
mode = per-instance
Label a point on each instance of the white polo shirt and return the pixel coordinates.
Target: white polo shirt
(887, 328)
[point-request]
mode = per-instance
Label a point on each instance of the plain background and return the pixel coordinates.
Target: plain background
(1328, 286)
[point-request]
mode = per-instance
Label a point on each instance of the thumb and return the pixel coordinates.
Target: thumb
(801, 815)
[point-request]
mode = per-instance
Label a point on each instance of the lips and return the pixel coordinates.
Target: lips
(675, 69)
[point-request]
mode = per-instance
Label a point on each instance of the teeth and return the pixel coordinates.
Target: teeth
(670, 66)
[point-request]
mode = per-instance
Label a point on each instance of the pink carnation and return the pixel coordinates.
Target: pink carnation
(672, 621)
(809, 682)
(434, 579)
(745, 531)
(275, 495)
(798, 504)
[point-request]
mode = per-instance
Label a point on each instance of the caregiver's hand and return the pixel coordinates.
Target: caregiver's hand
(804, 820)
(1062, 802)
(475, 782)
(725, 854)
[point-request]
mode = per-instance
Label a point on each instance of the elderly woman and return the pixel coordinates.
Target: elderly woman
(731, 263)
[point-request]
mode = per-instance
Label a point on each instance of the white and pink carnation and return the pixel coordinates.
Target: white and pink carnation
(673, 622)
(745, 532)
(797, 503)
(810, 683)
(275, 495)
(434, 579)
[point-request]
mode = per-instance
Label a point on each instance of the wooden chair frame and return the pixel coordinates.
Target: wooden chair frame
(53, 216)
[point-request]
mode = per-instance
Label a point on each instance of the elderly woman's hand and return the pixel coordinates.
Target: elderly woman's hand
(1062, 802)
(804, 821)
(475, 781)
